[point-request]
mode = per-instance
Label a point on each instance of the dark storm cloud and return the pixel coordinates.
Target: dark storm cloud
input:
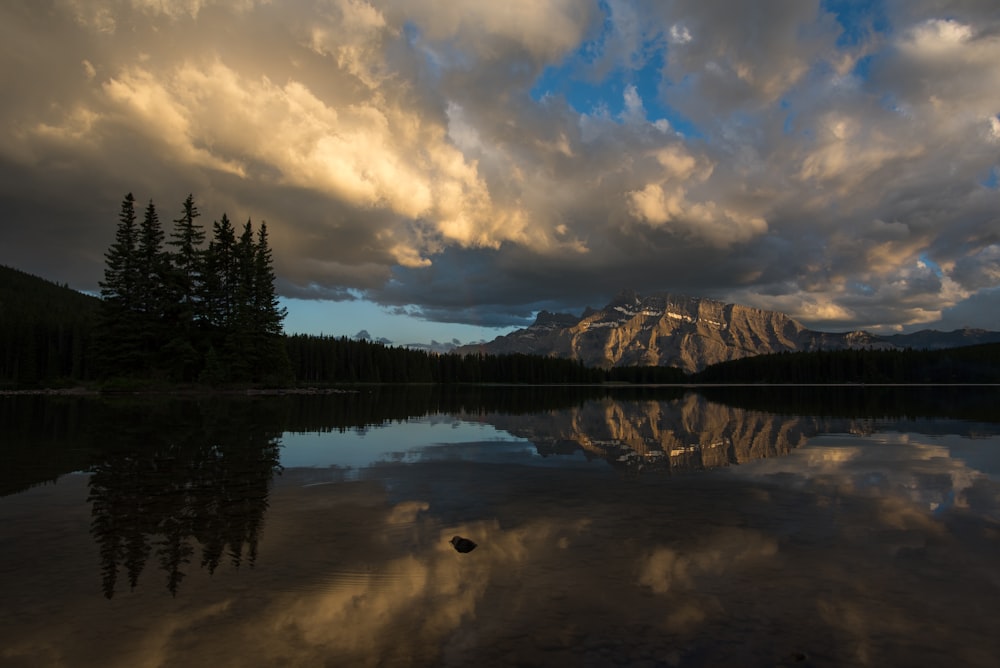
(843, 173)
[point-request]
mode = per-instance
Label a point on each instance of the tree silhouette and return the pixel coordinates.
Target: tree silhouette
(191, 313)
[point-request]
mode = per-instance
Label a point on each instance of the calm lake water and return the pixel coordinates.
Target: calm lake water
(672, 527)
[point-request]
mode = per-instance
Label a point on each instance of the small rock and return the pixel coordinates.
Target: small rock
(463, 544)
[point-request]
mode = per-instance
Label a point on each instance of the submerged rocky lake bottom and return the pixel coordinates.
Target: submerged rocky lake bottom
(657, 528)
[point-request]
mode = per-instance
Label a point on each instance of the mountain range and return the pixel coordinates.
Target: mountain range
(692, 333)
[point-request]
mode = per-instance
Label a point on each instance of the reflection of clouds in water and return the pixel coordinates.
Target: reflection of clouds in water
(405, 610)
(666, 569)
(572, 569)
(683, 573)
(923, 469)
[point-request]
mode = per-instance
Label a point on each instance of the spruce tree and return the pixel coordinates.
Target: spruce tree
(218, 299)
(269, 312)
(153, 298)
(272, 358)
(220, 279)
(120, 268)
(239, 353)
(186, 276)
(187, 260)
(118, 343)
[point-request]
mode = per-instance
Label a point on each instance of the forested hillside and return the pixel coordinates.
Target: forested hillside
(45, 330)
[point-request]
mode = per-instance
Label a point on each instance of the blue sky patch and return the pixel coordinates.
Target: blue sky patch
(575, 81)
(931, 264)
(858, 19)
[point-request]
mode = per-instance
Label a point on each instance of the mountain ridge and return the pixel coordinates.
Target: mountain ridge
(691, 333)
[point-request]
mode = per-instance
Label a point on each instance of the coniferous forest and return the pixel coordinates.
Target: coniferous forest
(194, 306)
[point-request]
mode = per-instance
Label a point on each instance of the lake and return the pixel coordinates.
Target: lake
(853, 526)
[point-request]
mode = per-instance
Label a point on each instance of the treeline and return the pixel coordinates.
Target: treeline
(176, 310)
(968, 364)
(325, 360)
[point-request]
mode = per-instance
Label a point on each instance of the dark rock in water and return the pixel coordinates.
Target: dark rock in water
(463, 544)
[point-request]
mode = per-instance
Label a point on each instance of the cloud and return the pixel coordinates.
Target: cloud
(400, 152)
(666, 569)
(541, 30)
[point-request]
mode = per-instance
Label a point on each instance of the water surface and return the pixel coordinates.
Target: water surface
(663, 528)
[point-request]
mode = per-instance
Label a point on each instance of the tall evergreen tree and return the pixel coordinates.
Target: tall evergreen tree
(239, 346)
(119, 348)
(272, 358)
(218, 299)
(269, 313)
(121, 269)
(186, 277)
(221, 278)
(153, 298)
(187, 258)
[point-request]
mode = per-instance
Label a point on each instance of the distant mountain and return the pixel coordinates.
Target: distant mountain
(691, 333)
(932, 339)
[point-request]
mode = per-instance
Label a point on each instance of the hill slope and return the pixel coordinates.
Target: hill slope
(44, 329)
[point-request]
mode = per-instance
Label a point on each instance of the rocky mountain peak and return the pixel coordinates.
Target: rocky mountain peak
(689, 333)
(625, 297)
(549, 320)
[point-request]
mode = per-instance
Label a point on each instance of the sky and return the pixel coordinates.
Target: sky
(444, 169)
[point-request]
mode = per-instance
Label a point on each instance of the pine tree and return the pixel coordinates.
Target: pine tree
(187, 260)
(119, 347)
(220, 279)
(153, 299)
(269, 312)
(238, 355)
(120, 270)
(272, 358)
(185, 289)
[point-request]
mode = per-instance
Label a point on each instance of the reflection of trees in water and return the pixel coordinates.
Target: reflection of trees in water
(179, 473)
(39, 440)
(377, 404)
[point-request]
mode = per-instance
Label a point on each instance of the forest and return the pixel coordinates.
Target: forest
(175, 310)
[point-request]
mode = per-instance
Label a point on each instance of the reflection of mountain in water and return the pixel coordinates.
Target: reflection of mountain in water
(180, 474)
(693, 432)
(677, 435)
